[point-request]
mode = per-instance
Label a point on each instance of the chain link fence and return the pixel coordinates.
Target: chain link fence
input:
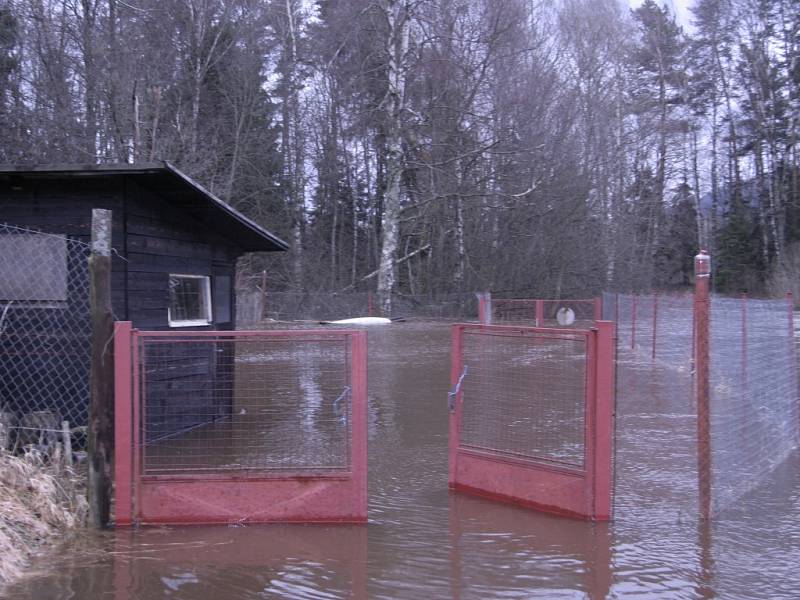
(45, 332)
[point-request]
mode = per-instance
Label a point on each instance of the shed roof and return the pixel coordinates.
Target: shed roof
(177, 188)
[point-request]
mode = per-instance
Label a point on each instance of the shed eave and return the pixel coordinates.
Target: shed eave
(248, 234)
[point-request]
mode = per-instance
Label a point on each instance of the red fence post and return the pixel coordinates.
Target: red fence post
(454, 410)
(604, 421)
(633, 322)
(655, 323)
(359, 416)
(484, 308)
(702, 270)
(123, 427)
(540, 313)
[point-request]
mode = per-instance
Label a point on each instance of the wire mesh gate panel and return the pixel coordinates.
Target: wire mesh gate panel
(531, 416)
(240, 426)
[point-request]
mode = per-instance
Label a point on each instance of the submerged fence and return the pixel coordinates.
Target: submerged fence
(531, 416)
(220, 427)
(582, 312)
(44, 335)
(707, 391)
(748, 420)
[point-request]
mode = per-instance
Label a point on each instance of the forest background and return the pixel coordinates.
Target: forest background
(427, 148)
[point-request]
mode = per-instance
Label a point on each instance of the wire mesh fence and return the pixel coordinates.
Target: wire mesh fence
(581, 312)
(656, 436)
(754, 420)
(658, 327)
(253, 306)
(753, 394)
(44, 335)
(259, 402)
(525, 396)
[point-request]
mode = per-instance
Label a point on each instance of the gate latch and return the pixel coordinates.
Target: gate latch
(451, 395)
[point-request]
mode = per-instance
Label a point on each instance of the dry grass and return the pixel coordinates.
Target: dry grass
(39, 500)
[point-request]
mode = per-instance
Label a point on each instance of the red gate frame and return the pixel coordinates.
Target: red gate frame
(583, 493)
(233, 498)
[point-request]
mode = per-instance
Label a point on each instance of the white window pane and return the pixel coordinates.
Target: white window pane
(189, 301)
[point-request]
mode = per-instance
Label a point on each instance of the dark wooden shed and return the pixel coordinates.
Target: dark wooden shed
(176, 246)
(163, 224)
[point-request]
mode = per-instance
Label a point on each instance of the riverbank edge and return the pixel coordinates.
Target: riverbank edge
(41, 499)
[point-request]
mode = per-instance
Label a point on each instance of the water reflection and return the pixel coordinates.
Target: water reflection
(219, 563)
(498, 550)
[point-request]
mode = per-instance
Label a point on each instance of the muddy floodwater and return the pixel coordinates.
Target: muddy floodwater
(423, 541)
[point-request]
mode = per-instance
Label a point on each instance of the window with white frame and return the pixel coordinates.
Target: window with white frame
(189, 300)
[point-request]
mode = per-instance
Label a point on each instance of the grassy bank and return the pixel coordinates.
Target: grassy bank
(39, 501)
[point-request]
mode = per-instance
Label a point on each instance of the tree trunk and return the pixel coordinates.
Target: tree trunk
(396, 14)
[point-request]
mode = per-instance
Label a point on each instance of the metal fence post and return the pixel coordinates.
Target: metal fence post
(604, 421)
(702, 270)
(100, 442)
(123, 426)
(454, 415)
(540, 313)
(359, 415)
(482, 315)
(598, 308)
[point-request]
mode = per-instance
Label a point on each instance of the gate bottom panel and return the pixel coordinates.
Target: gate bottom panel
(300, 499)
(550, 490)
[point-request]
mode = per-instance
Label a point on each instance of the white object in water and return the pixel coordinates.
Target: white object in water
(363, 321)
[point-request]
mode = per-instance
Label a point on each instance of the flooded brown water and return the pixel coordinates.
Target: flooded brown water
(424, 542)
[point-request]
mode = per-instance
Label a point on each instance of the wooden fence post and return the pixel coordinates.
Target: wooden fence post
(100, 442)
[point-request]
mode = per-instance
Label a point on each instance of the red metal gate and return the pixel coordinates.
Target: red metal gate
(531, 416)
(240, 426)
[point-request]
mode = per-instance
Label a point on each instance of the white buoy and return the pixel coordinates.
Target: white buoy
(362, 321)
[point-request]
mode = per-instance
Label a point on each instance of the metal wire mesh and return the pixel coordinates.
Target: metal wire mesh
(656, 440)
(655, 326)
(524, 395)
(656, 432)
(245, 403)
(44, 332)
(754, 400)
(754, 397)
(554, 313)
